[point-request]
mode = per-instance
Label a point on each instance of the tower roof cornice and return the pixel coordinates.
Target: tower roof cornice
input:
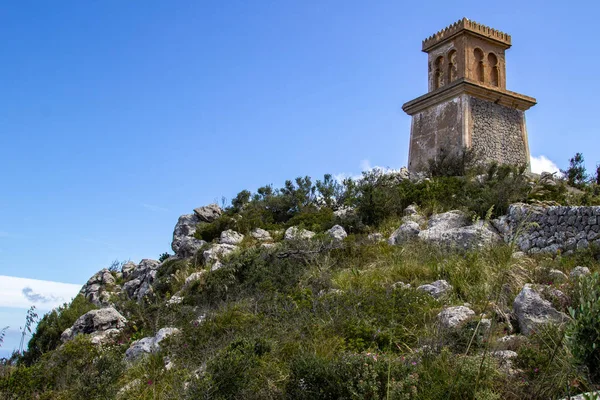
(466, 25)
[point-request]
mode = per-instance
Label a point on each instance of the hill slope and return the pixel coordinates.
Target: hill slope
(382, 288)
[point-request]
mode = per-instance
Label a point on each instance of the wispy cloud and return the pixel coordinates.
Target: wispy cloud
(37, 297)
(154, 208)
(543, 164)
(24, 293)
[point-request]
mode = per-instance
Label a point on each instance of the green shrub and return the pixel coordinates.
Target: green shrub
(584, 331)
(47, 334)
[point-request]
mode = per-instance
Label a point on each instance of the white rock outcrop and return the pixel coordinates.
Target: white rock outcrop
(231, 237)
(295, 233)
(102, 325)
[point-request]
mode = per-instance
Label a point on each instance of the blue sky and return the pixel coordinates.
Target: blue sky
(116, 117)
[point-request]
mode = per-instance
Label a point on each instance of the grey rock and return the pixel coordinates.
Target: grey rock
(189, 246)
(149, 344)
(96, 322)
(183, 235)
(96, 289)
(579, 272)
(231, 237)
(217, 251)
(448, 220)
(337, 233)
(411, 210)
(474, 236)
(533, 312)
(127, 269)
(436, 289)
(452, 317)
(208, 213)
(193, 277)
(261, 235)
(407, 231)
(557, 276)
(295, 233)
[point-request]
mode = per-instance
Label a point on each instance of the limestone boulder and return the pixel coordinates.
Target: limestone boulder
(217, 251)
(102, 324)
(478, 235)
(436, 289)
(406, 232)
(261, 235)
(448, 220)
(208, 213)
(231, 237)
(148, 345)
(532, 311)
(295, 233)
(452, 317)
(337, 233)
(184, 243)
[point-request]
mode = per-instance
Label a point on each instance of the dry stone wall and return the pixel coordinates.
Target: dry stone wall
(551, 229)
(497, 132)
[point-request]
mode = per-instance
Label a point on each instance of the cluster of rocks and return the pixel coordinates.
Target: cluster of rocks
(550, 229)
(184, 243)
(103, 325)
(99, 287)
(451, 229)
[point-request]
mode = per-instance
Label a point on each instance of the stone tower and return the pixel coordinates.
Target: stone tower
(467, 105)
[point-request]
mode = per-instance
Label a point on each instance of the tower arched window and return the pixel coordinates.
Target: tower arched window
(438, 73)
(479, 66)
(452, 67)
(494, 72)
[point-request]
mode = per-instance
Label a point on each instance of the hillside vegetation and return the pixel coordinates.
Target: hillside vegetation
(283, 314)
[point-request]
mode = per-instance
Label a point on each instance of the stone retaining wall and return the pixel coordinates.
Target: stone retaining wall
(550, 229)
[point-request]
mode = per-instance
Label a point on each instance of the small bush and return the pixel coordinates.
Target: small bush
(584, 331)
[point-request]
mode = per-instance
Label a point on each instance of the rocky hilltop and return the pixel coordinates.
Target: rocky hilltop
(385, 287)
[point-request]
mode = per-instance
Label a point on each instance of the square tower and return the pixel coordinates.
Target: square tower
(467, 105)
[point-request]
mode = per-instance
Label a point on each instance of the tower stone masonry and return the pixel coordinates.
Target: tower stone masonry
(467, 105)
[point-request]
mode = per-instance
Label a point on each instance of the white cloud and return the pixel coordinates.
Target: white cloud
(44, 295)
(542, 164)
(365, 166)
(155, 208)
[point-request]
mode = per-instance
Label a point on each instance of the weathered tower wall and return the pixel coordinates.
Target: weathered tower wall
(494, 132)
(467, 105)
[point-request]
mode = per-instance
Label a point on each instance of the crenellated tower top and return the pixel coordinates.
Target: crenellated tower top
(475, 28)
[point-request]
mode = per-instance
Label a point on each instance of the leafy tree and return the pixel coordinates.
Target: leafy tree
(576, 174)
